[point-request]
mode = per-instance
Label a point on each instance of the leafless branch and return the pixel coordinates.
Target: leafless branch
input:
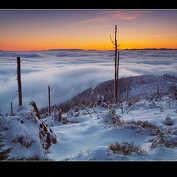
(111, 40)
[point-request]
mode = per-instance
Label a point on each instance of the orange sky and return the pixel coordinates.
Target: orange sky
(87, 29)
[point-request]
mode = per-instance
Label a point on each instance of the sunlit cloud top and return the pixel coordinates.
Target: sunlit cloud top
(87, 29)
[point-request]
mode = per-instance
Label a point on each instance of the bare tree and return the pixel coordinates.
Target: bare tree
(19, 81)
(116, 66)
(49, 98)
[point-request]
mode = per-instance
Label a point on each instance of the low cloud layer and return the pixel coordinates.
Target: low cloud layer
(68, 72)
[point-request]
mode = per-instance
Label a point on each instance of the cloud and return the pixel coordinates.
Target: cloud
(69, 75)
(113, 14)
(66, 76)
(125, 14)
(165, 35)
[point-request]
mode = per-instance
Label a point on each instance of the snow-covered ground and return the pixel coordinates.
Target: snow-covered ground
(24, 136)
(146, 124)
(90, 138)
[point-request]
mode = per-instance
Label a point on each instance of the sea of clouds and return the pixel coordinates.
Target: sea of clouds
(69, 72)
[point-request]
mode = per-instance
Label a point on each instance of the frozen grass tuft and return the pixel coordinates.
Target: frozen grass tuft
(126, 148)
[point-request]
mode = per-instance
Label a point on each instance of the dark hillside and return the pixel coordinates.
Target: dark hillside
(130, 87)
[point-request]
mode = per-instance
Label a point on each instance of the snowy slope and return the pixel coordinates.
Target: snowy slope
(149, 122)
(145, 86)
(25, 136)
(145, 125)
(90, 139)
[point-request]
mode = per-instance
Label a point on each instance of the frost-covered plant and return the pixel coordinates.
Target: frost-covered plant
(4, 154)
(126, 148)
(167, 140)
(32, 103)
(168, 121)
(46, 136)
(173, 92)
(111, 117)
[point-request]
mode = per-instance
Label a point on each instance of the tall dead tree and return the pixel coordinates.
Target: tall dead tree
(19, 81)
(116, 67)
(117, 73)
(49, 98)
(115, 81)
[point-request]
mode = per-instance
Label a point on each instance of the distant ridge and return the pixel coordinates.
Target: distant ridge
(64, 50)
(96, 49)
(152, 49)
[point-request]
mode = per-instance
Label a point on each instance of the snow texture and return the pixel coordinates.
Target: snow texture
(146, 120)
(26, 135)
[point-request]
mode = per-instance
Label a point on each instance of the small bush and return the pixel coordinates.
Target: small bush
(144, 126)
(173, 92)
(23, 141)
(4, 154)
(168, 121)
(166, 140)
(34, 158)
(126, 148)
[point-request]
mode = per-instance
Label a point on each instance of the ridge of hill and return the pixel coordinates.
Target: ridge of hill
(133, 87)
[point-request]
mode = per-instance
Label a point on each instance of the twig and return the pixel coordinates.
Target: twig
(112, 40)
(85, 109)
(130, 109)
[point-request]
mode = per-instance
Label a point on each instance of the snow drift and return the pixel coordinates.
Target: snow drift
(25, 135)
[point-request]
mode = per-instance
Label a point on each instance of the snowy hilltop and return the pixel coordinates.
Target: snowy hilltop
(141, 126)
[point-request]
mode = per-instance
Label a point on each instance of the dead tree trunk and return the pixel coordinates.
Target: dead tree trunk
(60, 115)
(127, 92)
(19, 81)
(49, 98)
(115, 81)
(117, 73)
(11, 109)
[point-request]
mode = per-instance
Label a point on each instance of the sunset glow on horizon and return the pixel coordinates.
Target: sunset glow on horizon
(26, 30)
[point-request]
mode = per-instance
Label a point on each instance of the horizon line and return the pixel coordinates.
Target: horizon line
(163, 48)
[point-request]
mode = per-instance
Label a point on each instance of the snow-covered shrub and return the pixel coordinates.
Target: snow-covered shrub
(169, 141)
(111, 117)
(150, 128)
(139, 126)
(5, 152)
(173, 92)
(24, 141)
(46, 136)
(26, 135)
(174, 131)
(126, 148)
(168, 121)
(32, 103)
